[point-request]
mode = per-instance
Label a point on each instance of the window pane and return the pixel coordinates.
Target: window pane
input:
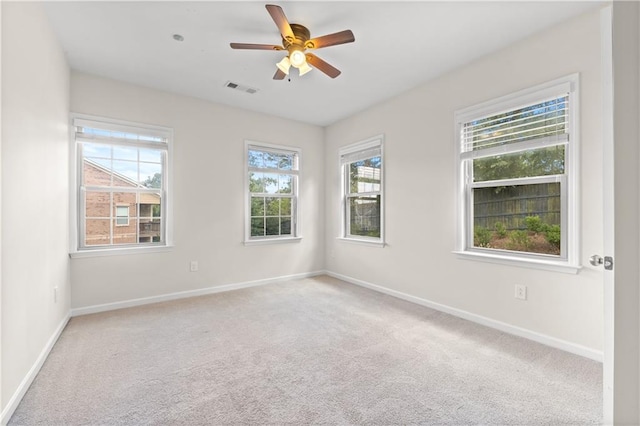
(364, 176)
(257, 226)
(97, 232)
(97, 204)
(270, 183)
(125, 173)
(271, 160)
(150, 155)
(150, 230)
(272, 225)
(537, 162)
(125, 153)
(150, 204)
(285, 225)
(286, 162)
(95, 150)
(151, 175)
(145, 210)
(525, 218)
(285, 206)
(125, 234)
(364, 216)
(284, 184)
(256, 159)
(96, 172)
(272, 206)
(257, 206)
(125, 200)
(256, 182)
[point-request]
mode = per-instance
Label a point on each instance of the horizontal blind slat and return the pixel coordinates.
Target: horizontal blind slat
(122, 142)
(540, 120)
(517, 137)
(509, 114)
(360, 155)
(152, 132)
(527, 145)
(471, 131)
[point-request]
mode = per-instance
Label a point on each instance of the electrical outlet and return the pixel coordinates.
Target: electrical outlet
(521, 292)
(193, 266)
(55, 295)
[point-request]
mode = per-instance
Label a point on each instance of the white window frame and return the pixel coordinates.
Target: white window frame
(296, 234)
(77, 249)
(569, 260)
(122, 216)
(345, 156)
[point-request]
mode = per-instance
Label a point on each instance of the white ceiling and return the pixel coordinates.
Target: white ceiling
(398, 46)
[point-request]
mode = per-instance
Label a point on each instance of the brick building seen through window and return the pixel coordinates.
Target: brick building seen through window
(104, 210)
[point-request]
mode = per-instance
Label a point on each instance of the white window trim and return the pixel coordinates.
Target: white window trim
(570, 188)
(295, 216)
(74, 250)
(373, 142)
(122, 217)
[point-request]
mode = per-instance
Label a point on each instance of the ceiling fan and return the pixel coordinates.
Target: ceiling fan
(296, 40)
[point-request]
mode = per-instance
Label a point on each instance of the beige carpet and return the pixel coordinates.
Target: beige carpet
(313, 351)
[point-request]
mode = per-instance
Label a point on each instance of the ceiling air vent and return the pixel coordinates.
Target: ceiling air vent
(237, 86)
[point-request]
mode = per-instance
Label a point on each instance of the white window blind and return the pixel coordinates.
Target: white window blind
(544, 123)
(371, 152)
(116, 134)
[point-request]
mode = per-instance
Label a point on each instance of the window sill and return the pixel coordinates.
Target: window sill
(362, 241)
(546, 265)
(272, 241)
(120, 251)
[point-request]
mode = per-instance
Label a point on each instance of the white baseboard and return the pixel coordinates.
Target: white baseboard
(33, 372)
(185, 294)
(498, 325)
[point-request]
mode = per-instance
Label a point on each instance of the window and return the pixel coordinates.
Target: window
(122, 215)
(517, 172)
(272, 192)
(362, 175)
(121, 183)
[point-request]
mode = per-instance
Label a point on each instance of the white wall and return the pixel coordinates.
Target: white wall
(35, 191)
(420, 192)
(208, 158)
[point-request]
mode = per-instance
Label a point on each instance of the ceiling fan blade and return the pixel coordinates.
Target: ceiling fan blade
(279, 75)
(277, 14)
(323, 66)
(341, 37)
(253, 46)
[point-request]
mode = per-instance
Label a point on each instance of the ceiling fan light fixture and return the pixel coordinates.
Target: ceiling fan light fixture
(304, 68)
(296, 38)
(284, 65)
(297, 58)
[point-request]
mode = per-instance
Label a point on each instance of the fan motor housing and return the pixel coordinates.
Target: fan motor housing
(301, 34)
